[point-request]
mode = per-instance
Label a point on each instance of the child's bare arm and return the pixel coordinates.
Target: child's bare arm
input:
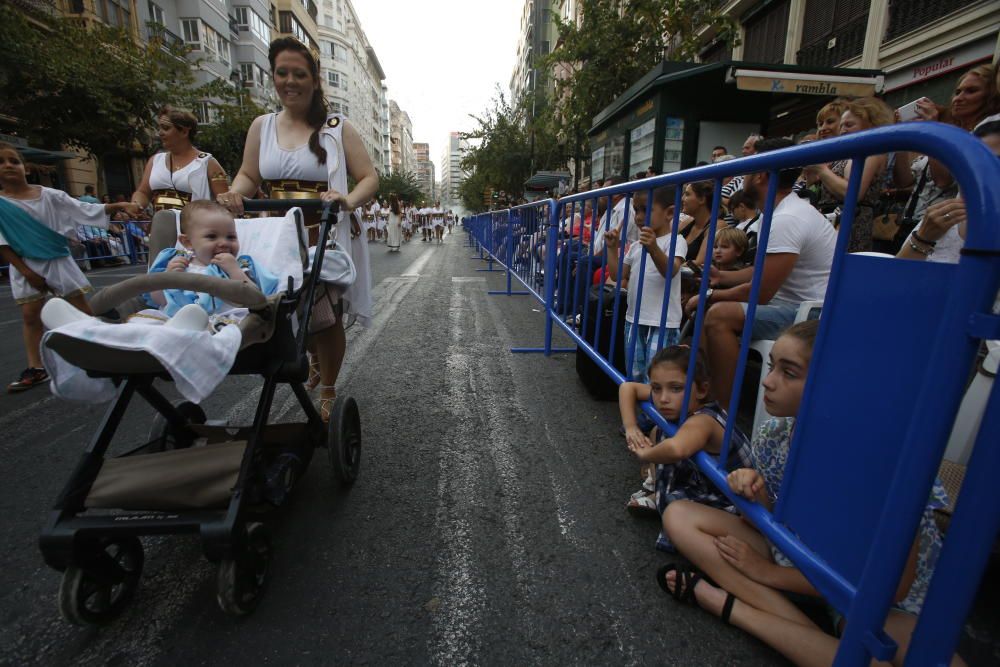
(761, 568)
(629, 396)
(13, 259)
(691, 438)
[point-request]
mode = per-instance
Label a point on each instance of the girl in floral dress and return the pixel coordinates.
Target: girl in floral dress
(751, 578)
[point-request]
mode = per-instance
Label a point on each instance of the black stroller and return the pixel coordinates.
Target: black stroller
(191, 477)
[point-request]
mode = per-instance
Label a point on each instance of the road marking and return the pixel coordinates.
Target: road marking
(468, 279)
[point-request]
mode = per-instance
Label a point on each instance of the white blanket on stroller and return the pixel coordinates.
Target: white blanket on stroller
(197, 361)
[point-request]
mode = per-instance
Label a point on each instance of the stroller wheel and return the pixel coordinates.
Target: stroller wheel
(99, 592)
(160, 428)
(242, 580)
(344, 440)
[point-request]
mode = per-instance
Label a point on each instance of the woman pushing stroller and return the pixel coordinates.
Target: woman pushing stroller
(305, 152)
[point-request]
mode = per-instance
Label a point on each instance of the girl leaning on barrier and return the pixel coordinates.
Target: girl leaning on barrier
(739, 575)
(305, 152)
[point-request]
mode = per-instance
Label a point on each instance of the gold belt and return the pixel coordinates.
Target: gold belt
(170, 200)
(281, 189)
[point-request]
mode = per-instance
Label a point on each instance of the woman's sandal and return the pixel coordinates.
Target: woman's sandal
(642, 503)
(327, 395)
(314, 378)
(684, 584)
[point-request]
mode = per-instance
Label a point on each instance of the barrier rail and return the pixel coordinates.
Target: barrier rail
(852, 496)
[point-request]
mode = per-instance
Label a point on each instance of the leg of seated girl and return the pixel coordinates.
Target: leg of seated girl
(693, 528)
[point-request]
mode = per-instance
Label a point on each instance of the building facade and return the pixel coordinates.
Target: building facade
(352, 76)
(452, 174)
(228, 41)
(425, 169)
(921, 46)
(292, 18)
(793, 57)
(538, 35)
(402, 157)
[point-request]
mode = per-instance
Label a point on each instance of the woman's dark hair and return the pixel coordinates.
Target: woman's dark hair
(786, 177)
(742, 197)
(180, 119)
(316, 117)
(394, 204)
(665, 195)
(705, 190)
(680, 356)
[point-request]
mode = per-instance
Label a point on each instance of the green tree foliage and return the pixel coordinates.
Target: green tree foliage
(509, 144)
(472, 191)
(404, 185)
(90, 88)
(226, 136)
(615, 44)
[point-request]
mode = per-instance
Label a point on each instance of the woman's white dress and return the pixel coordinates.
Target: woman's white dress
(277, 163)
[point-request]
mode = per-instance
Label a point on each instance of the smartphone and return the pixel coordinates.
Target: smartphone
(908, 112)
(694, 267)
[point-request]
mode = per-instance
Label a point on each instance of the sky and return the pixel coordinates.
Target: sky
(442, 59)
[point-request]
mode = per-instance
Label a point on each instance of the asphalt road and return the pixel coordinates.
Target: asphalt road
(487, 526)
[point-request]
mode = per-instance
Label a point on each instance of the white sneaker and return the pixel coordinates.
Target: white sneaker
(59, 312)
(191, 317)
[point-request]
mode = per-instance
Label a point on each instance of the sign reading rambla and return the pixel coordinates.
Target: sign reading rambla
(805, 86)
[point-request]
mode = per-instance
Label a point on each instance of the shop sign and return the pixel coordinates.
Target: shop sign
(943, 63)
(644, 109)
(862, 87)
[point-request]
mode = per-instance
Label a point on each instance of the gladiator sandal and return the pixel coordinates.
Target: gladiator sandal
(327, 395)
(314, 378)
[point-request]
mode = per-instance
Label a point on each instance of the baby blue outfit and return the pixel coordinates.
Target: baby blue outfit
(176, 299)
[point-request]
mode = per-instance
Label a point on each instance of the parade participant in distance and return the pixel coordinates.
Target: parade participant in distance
(35, 226)
(180, 173)
(394, 228)
(438, 221)
(304, 151)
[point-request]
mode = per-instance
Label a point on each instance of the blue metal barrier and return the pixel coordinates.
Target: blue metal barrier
(860, 467)
(101, 245)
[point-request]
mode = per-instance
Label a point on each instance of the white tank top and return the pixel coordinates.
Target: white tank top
(193, 178)
(297, 164)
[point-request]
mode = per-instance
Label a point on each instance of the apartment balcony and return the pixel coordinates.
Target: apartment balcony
(906, 16)
(157, 32)
(836, 47)
(234, 29)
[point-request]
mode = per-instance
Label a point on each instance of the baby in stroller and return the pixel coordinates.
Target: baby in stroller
(210, 246)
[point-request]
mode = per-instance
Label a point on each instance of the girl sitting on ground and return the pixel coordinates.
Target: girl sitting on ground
(35, 226)
(677, 477)
(749, 576)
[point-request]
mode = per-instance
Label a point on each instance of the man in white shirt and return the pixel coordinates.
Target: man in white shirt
(796, 268)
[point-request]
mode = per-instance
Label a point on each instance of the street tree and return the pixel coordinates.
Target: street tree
(91, 88)
(233, 112)
(404, 185)
(472, 192)
(613, 46)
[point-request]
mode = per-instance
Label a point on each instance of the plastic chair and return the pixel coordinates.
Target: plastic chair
(763, 348)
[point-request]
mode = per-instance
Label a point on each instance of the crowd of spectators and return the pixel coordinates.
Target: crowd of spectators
(908, 207)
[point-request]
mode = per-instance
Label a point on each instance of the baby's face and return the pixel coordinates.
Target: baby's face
(211, 233)
(725, 253)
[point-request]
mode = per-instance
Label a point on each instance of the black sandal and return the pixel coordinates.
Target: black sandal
(684, 584)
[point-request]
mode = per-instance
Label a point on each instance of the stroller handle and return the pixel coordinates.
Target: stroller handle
(254, 205)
